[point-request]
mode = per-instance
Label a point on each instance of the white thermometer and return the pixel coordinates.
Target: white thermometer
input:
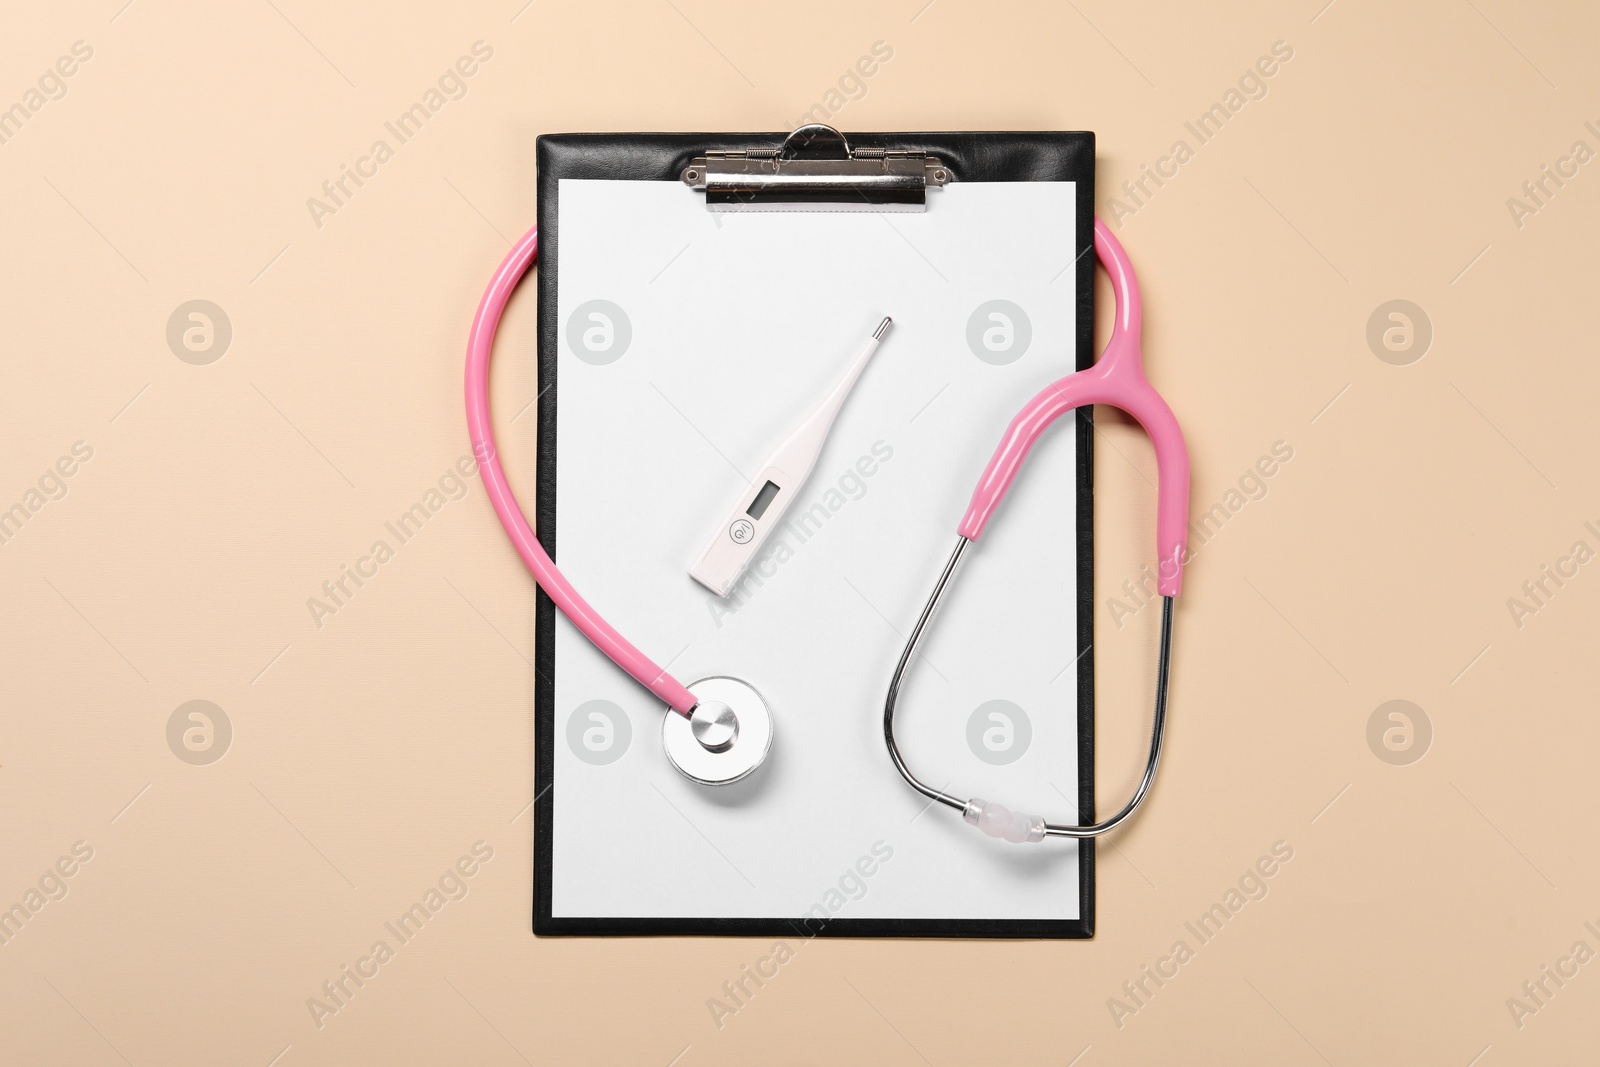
(760, 508)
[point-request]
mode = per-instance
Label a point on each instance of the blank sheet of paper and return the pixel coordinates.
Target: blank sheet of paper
(691, 344)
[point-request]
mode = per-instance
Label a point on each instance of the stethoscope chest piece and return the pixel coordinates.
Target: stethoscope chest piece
(725, 738)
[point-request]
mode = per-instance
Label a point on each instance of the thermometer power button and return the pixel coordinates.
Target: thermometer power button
(742, 531)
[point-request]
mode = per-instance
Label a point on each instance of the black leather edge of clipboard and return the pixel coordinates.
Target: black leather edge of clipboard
(985, 157)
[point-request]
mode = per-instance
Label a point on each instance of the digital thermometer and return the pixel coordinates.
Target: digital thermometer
(761, 506)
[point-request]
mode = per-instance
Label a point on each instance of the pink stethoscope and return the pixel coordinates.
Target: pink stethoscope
(722, 734)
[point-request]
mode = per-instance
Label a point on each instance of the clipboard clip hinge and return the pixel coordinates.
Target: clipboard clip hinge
(815, 170)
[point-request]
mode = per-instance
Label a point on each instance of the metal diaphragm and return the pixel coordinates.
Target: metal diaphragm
(726, 737)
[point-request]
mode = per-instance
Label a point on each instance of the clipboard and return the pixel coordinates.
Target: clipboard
(599, 865)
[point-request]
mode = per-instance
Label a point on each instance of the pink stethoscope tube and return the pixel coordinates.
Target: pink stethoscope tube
(480, 425)
(1117, 378)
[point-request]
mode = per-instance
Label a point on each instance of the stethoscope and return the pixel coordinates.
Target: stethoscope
(718, 730)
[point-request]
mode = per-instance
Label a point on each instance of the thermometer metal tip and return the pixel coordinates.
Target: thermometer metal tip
(883, 328)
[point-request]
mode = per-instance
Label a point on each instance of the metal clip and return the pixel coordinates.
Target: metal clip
(815, 170)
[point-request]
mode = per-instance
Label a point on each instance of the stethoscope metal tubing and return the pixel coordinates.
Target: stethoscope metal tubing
(1157, 735)
(899, 671)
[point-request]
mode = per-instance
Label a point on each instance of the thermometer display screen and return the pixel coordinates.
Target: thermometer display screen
(758, 506)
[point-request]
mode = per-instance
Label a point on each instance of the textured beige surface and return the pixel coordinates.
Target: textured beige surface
(370, 755)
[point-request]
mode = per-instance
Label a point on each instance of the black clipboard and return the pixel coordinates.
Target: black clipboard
(978, 157)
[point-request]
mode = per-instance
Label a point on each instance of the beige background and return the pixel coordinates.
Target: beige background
(371, 753)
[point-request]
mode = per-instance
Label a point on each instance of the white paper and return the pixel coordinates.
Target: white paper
(738, 327)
